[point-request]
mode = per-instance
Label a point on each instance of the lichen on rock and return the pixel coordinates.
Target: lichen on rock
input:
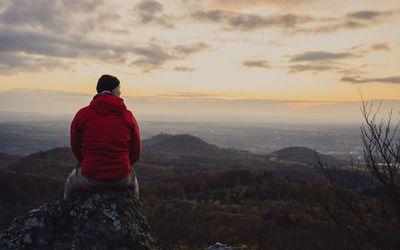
(107, 219)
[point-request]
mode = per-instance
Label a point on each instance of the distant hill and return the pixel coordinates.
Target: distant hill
(162, 156)
(8, 159)
(24, 139)
(57, 162)
(303, 155)
(165, 156)
(186, 145)
(186, 153)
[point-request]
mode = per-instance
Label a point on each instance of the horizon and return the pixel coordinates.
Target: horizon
(19, 104)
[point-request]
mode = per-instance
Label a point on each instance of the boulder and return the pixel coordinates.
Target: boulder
(106, 219)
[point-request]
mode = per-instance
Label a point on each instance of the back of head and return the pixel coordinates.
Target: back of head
(107, 82)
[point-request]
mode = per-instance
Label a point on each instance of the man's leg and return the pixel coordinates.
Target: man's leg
(129, 181)
(134, 183)
(70, 183)
(76, 181)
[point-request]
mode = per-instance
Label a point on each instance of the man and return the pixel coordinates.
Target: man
(105, 140)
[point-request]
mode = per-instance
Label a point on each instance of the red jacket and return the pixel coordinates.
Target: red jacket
(105, 138)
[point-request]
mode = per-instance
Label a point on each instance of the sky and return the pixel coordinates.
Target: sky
(250, 60)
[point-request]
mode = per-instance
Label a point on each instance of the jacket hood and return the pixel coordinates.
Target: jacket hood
(108, 104)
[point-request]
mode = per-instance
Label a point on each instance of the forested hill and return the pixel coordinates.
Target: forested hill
(7, 159)
(305, 156)
(187, 145)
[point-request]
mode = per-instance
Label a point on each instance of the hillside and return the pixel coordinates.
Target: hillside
(255, 208)
(20, 192)
(186, 145)
(56, 162)
(304, 156)
(7, 159)
(165, 156)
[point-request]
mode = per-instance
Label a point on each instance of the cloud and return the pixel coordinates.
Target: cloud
(316, 68)
(43, 14)
(353, 20)
(249, 22)
(319, 61)
(149, 6)
(238, 5)
(380, 46)
(362, 19)
(57, 15)
(155, 56)
(320, 56)
(151, 12)
(257, 64)
(183, 51)
(151, 57)
(51, 45)
(368, 14)
(184, 69)
(364, 49)
(236, 21)
(392, 80)
(15, 62)
(29, 46)
(36, 43)
(19, 49)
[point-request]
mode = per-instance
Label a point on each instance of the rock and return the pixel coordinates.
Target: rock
(107, 219)
(220, 246)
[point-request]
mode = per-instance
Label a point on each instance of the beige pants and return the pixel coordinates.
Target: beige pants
(76, 181)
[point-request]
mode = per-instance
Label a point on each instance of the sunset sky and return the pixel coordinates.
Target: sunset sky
(297, 54)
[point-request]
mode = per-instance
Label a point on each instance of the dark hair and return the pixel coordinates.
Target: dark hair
(107, 82)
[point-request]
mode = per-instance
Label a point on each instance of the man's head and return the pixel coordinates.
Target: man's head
(109, 83)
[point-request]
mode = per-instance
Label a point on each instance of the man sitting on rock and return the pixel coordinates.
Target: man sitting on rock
(106, 141)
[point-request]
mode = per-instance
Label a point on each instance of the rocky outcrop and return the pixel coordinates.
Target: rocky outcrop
(109, 219)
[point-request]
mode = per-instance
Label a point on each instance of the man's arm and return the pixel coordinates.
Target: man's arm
(76, 138)
(134, 147)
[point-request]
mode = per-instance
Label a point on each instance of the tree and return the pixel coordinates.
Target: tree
(368, 214)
